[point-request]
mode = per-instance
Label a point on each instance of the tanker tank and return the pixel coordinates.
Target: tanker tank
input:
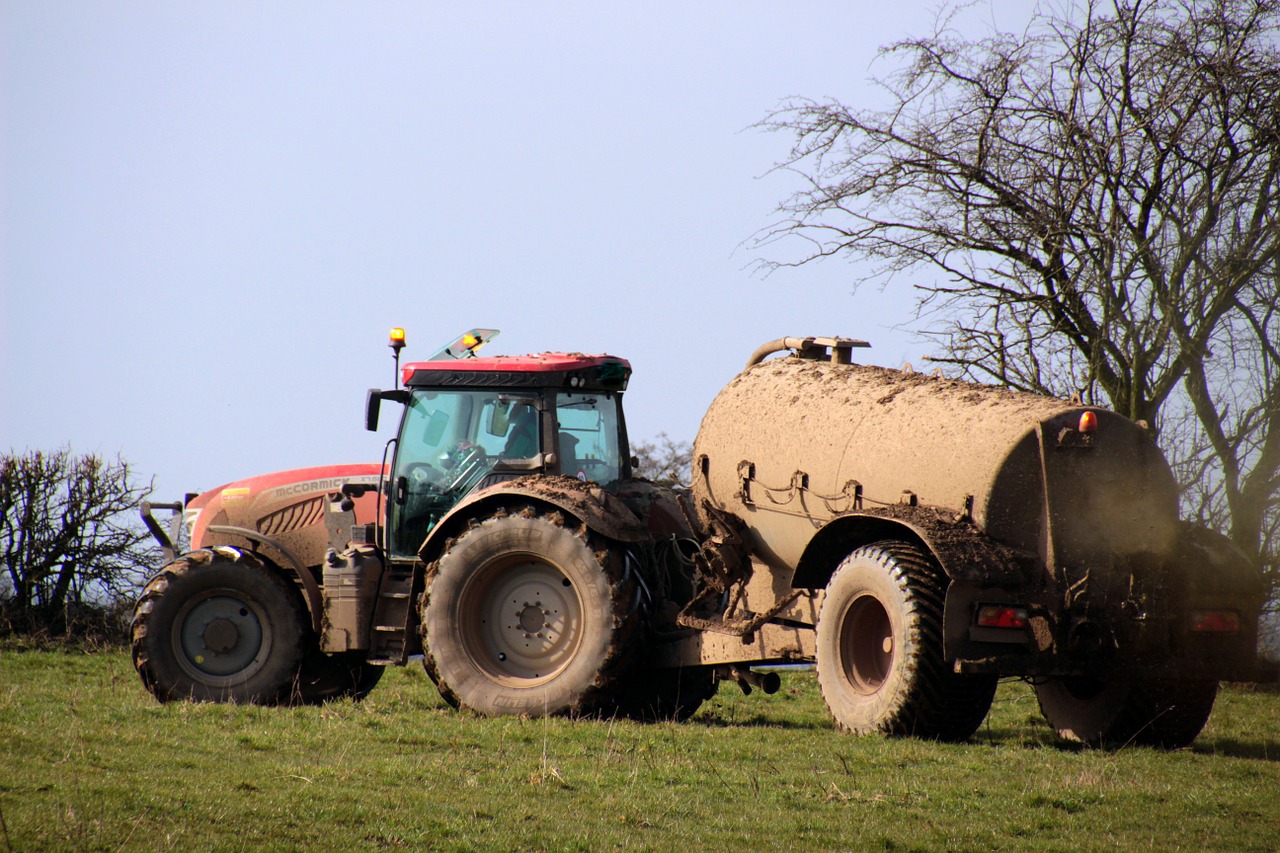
(792, 443)
(935, 535)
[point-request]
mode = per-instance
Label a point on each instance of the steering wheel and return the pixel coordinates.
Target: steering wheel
(422, 474)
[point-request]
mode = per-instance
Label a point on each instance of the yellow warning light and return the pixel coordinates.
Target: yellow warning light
(397, 339)
(470, 341)
(1088, 422)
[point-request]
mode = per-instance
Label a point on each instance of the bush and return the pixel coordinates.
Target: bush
(71, 549)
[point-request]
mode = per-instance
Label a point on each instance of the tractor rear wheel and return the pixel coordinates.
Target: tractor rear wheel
(523, 615)
(667, 695)
(217, 625)
(1119, 711)
(879, 649)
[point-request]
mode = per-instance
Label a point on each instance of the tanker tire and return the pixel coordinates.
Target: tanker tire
(1120, 711)
(330, 677)
(667, 695)
(879, 649)
(523, 615)
(216, 625)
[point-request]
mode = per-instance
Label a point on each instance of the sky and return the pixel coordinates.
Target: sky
(211, 214)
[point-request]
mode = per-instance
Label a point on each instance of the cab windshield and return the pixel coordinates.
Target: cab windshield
(453, 442)
(450, 442)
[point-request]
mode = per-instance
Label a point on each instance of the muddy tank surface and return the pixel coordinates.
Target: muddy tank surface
(793, 442)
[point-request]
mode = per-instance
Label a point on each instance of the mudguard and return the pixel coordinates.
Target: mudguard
(961, 550)
(601, 511)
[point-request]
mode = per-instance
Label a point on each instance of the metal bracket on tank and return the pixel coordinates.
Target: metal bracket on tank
(746, 473)
(849, 498)
(798, 483)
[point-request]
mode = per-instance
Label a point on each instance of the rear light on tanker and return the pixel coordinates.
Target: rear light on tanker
(1001, 616)
(1215, 621)
(1088, 422)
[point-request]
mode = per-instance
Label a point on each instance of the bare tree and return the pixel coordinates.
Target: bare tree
(1099, 194)
(1233, 444)
(665, 461)
(65, 540)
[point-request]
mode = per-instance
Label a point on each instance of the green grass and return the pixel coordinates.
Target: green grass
(88, 761)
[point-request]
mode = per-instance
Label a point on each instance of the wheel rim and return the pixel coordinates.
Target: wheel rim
(521, 621)
(219, 638)
(866, 644)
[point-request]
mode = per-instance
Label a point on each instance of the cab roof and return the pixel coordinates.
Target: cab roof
(548, 369)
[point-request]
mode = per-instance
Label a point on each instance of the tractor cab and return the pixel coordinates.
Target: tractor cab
(472, 422)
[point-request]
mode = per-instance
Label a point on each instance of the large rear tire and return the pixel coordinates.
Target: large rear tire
(667, 695)
(217, 625)
(1120, 711)
(879, 649)
(523, 615)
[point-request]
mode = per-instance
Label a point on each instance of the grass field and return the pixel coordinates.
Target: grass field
(88, 761)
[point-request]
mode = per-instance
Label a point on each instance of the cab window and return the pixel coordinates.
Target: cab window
(587, 437)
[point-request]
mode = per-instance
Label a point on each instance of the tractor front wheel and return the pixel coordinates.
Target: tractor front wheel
(217, 625)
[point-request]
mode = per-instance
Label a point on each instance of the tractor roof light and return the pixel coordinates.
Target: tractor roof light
(397, 343)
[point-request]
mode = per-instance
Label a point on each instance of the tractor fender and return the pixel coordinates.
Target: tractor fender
(964, 553)
(601, 511)
(1216, 566)
(276, 554)
(976, 566)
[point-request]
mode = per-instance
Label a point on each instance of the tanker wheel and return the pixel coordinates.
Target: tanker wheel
(658, 695)
(329, 677)
(217, 625)
(879, 649)
(523, 615)
(1118, 711)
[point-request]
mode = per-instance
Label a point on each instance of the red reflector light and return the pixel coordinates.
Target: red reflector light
(1088, 422)
(1215, 621)
(1002, 616)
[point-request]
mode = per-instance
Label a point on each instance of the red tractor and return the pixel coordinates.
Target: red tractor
(508, 528)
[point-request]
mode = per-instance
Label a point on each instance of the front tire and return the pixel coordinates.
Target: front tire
(523, 615)
(1118, 711)
(217, 625)
(879, 649)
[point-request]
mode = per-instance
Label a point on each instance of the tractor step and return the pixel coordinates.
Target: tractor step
(392, 616)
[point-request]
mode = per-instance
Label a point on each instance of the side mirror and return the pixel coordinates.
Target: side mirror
(372, 404)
